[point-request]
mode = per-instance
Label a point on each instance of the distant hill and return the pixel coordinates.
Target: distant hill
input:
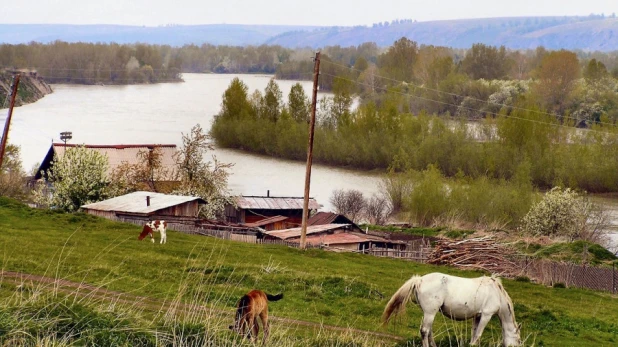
(177, 35)
(585, 33)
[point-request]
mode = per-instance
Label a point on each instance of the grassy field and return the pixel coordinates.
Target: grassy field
(329, 289)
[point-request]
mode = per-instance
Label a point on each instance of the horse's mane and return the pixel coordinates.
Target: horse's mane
(505, 295)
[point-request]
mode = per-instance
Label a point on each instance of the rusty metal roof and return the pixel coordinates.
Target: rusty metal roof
(116, 154)
(313, 229)
(274, 203)
(266, 221)
(136, 202)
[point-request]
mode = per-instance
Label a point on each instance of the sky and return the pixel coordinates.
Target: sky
(284, 12)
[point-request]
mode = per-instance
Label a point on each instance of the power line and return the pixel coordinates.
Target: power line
(459, 95)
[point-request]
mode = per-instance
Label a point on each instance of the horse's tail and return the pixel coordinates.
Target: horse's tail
(397, 303)
(274, 297)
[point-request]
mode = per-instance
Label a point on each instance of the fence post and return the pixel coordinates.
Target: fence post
(614, 277)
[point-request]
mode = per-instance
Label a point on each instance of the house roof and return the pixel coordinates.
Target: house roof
(313, 229)
(116, 154)
(136, 202)
(266, 221)
(328, 218)
(274, 203)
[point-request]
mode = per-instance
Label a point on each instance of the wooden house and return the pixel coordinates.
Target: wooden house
(251, 209)
(272, 223)
(116, 156)
(145, 206)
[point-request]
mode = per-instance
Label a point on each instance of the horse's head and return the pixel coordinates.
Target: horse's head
(512, 337)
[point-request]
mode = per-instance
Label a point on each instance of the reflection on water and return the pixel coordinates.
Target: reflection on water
(160, 113)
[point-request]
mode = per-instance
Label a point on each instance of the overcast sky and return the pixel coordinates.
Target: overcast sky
(295, 12)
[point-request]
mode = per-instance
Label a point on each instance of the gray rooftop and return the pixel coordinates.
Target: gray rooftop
(136, 202)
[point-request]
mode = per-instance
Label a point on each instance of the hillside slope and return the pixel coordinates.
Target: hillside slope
(31, 88)
(587, 33)
(517, 33)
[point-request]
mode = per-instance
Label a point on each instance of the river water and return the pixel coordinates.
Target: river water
(160, 113)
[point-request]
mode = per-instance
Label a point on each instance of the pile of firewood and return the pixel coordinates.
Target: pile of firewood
(478, 253)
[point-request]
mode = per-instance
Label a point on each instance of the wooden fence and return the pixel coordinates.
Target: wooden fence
(420, 253)
(571, 275)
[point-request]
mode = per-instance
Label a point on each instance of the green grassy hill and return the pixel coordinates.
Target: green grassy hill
(320, 288)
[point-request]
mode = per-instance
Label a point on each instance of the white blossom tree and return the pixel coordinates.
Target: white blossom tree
(565, 213)
(78, 177)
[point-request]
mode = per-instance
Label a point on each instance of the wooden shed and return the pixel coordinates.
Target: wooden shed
(345, 237)
(146, 205)
(251, 209)
(272, 223)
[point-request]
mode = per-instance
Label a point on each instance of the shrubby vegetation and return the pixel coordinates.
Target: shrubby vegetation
(12, 182)
(564, 213)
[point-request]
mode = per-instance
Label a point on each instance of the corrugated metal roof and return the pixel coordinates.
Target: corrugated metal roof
(266, 221)
(274, 203)
(118, 154)
(313, 229)
(136, 202)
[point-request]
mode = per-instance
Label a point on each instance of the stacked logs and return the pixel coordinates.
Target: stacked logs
(481, 253)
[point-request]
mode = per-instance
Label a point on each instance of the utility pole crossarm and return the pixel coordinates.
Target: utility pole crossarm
(303, 229)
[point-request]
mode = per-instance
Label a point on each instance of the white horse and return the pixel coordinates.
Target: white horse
(459, 299)
(151, 227)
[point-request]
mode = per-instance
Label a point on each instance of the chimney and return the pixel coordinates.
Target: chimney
(268, 193)
(147, 200)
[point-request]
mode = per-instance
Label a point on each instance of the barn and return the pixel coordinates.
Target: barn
(145, 206)
(252, 209)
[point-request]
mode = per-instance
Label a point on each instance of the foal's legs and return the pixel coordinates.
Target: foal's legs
(426, 330)
(264, 318)
(480, 322)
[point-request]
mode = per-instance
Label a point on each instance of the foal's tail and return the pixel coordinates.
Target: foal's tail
(274, 297)
(397, 303)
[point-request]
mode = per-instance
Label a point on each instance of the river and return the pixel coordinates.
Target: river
(160, 113)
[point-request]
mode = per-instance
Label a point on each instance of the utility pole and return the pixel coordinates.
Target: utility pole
(316, 74)
(7, 124)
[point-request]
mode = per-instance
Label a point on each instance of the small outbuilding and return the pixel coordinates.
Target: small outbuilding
(252, 209)
(146, 205)
(344, 237)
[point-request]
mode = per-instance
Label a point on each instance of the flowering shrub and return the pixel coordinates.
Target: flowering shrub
(561, 213)
(78, 177)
